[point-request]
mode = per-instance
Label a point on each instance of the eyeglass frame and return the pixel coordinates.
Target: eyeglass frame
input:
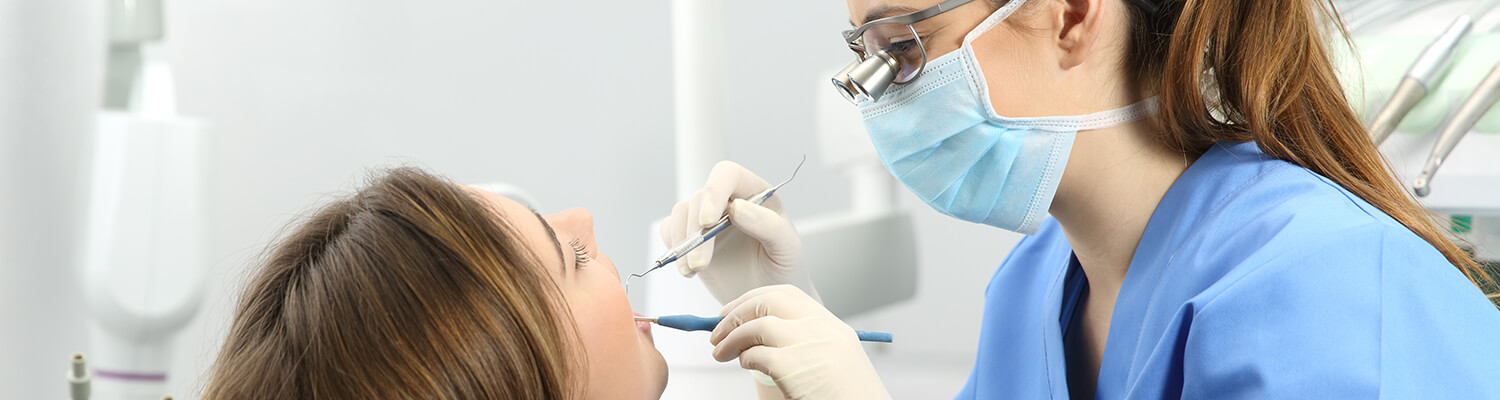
(855, 37)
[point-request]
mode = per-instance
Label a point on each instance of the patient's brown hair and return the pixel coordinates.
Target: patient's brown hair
(409, 288)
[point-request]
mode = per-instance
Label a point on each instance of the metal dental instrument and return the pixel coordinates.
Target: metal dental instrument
(696, 323)
(687, 245)
(1463, 120)
(1419, 79)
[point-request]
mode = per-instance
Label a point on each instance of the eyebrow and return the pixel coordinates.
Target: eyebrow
(556, 241)
(885, 11)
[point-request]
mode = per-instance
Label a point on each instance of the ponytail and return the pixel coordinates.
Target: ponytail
(1259, 70)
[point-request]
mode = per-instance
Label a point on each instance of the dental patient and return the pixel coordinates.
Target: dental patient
(416, 287)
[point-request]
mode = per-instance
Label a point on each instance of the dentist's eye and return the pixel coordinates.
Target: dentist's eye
(902, 47)
(580, 253)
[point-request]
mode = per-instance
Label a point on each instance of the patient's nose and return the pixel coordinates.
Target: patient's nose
(576, 218)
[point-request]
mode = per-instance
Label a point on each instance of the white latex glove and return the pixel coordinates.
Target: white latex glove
(809, 353)
(762, 248)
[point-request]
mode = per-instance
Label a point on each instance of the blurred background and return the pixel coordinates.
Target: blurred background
(281, 105)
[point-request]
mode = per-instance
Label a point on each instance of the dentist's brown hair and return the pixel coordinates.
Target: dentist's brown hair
(1260, 71)
(1269, 64)
(411, 288)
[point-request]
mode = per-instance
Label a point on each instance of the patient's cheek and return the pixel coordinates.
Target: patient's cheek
(612, 345)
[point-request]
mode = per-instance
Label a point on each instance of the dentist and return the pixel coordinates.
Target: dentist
(1221, 225)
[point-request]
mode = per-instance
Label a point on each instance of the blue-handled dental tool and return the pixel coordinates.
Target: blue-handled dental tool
(696, 323)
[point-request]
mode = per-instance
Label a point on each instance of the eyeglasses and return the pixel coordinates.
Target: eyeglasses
(888, 50)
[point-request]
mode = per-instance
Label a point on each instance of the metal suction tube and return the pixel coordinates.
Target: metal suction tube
(1463, 121)
(1419, 79)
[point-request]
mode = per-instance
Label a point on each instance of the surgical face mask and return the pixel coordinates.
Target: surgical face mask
(940, 136)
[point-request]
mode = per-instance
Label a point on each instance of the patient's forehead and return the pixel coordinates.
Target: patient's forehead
(533, 233)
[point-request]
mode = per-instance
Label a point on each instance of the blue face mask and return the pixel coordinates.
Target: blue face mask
(939, 136)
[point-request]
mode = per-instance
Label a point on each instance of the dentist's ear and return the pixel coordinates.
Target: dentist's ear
(1078, 24)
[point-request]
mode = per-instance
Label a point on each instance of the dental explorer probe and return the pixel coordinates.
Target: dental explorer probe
(1419, 79)
(687, 245)
(696, 323)
(1484, 97)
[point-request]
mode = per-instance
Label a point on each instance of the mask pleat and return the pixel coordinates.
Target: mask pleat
(989, 176)
(960, 153)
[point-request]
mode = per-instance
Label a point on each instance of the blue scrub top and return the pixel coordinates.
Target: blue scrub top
(1255, 278)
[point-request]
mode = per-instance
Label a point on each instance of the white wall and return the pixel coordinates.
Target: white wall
(569, 100)
(47, 99)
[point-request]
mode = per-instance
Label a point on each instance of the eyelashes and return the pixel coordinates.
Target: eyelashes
(902, 47)
(580, 254)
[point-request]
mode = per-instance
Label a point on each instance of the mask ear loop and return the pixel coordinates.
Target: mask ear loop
(984, 26)
(1104, 119)
(994, 19)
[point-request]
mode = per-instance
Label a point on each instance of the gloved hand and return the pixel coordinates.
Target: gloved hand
(809, 353)
(762, 248)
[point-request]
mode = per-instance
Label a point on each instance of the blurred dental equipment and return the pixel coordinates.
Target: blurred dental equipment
(1424, 73)
(78, 378)
(692, 242)
(143, 260)
(696, 323)
(1419, 79)
(1361, 16)
(1463, 120)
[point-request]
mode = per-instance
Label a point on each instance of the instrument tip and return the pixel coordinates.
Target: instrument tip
(1420, 187)
(799, 167)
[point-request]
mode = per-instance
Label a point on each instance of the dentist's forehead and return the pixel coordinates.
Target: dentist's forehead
(862, 11)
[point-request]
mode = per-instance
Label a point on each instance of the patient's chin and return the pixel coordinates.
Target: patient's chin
(658, 369)
(654, 365)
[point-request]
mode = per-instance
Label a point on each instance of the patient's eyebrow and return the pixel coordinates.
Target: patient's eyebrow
(885, 11)
(556, 241)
